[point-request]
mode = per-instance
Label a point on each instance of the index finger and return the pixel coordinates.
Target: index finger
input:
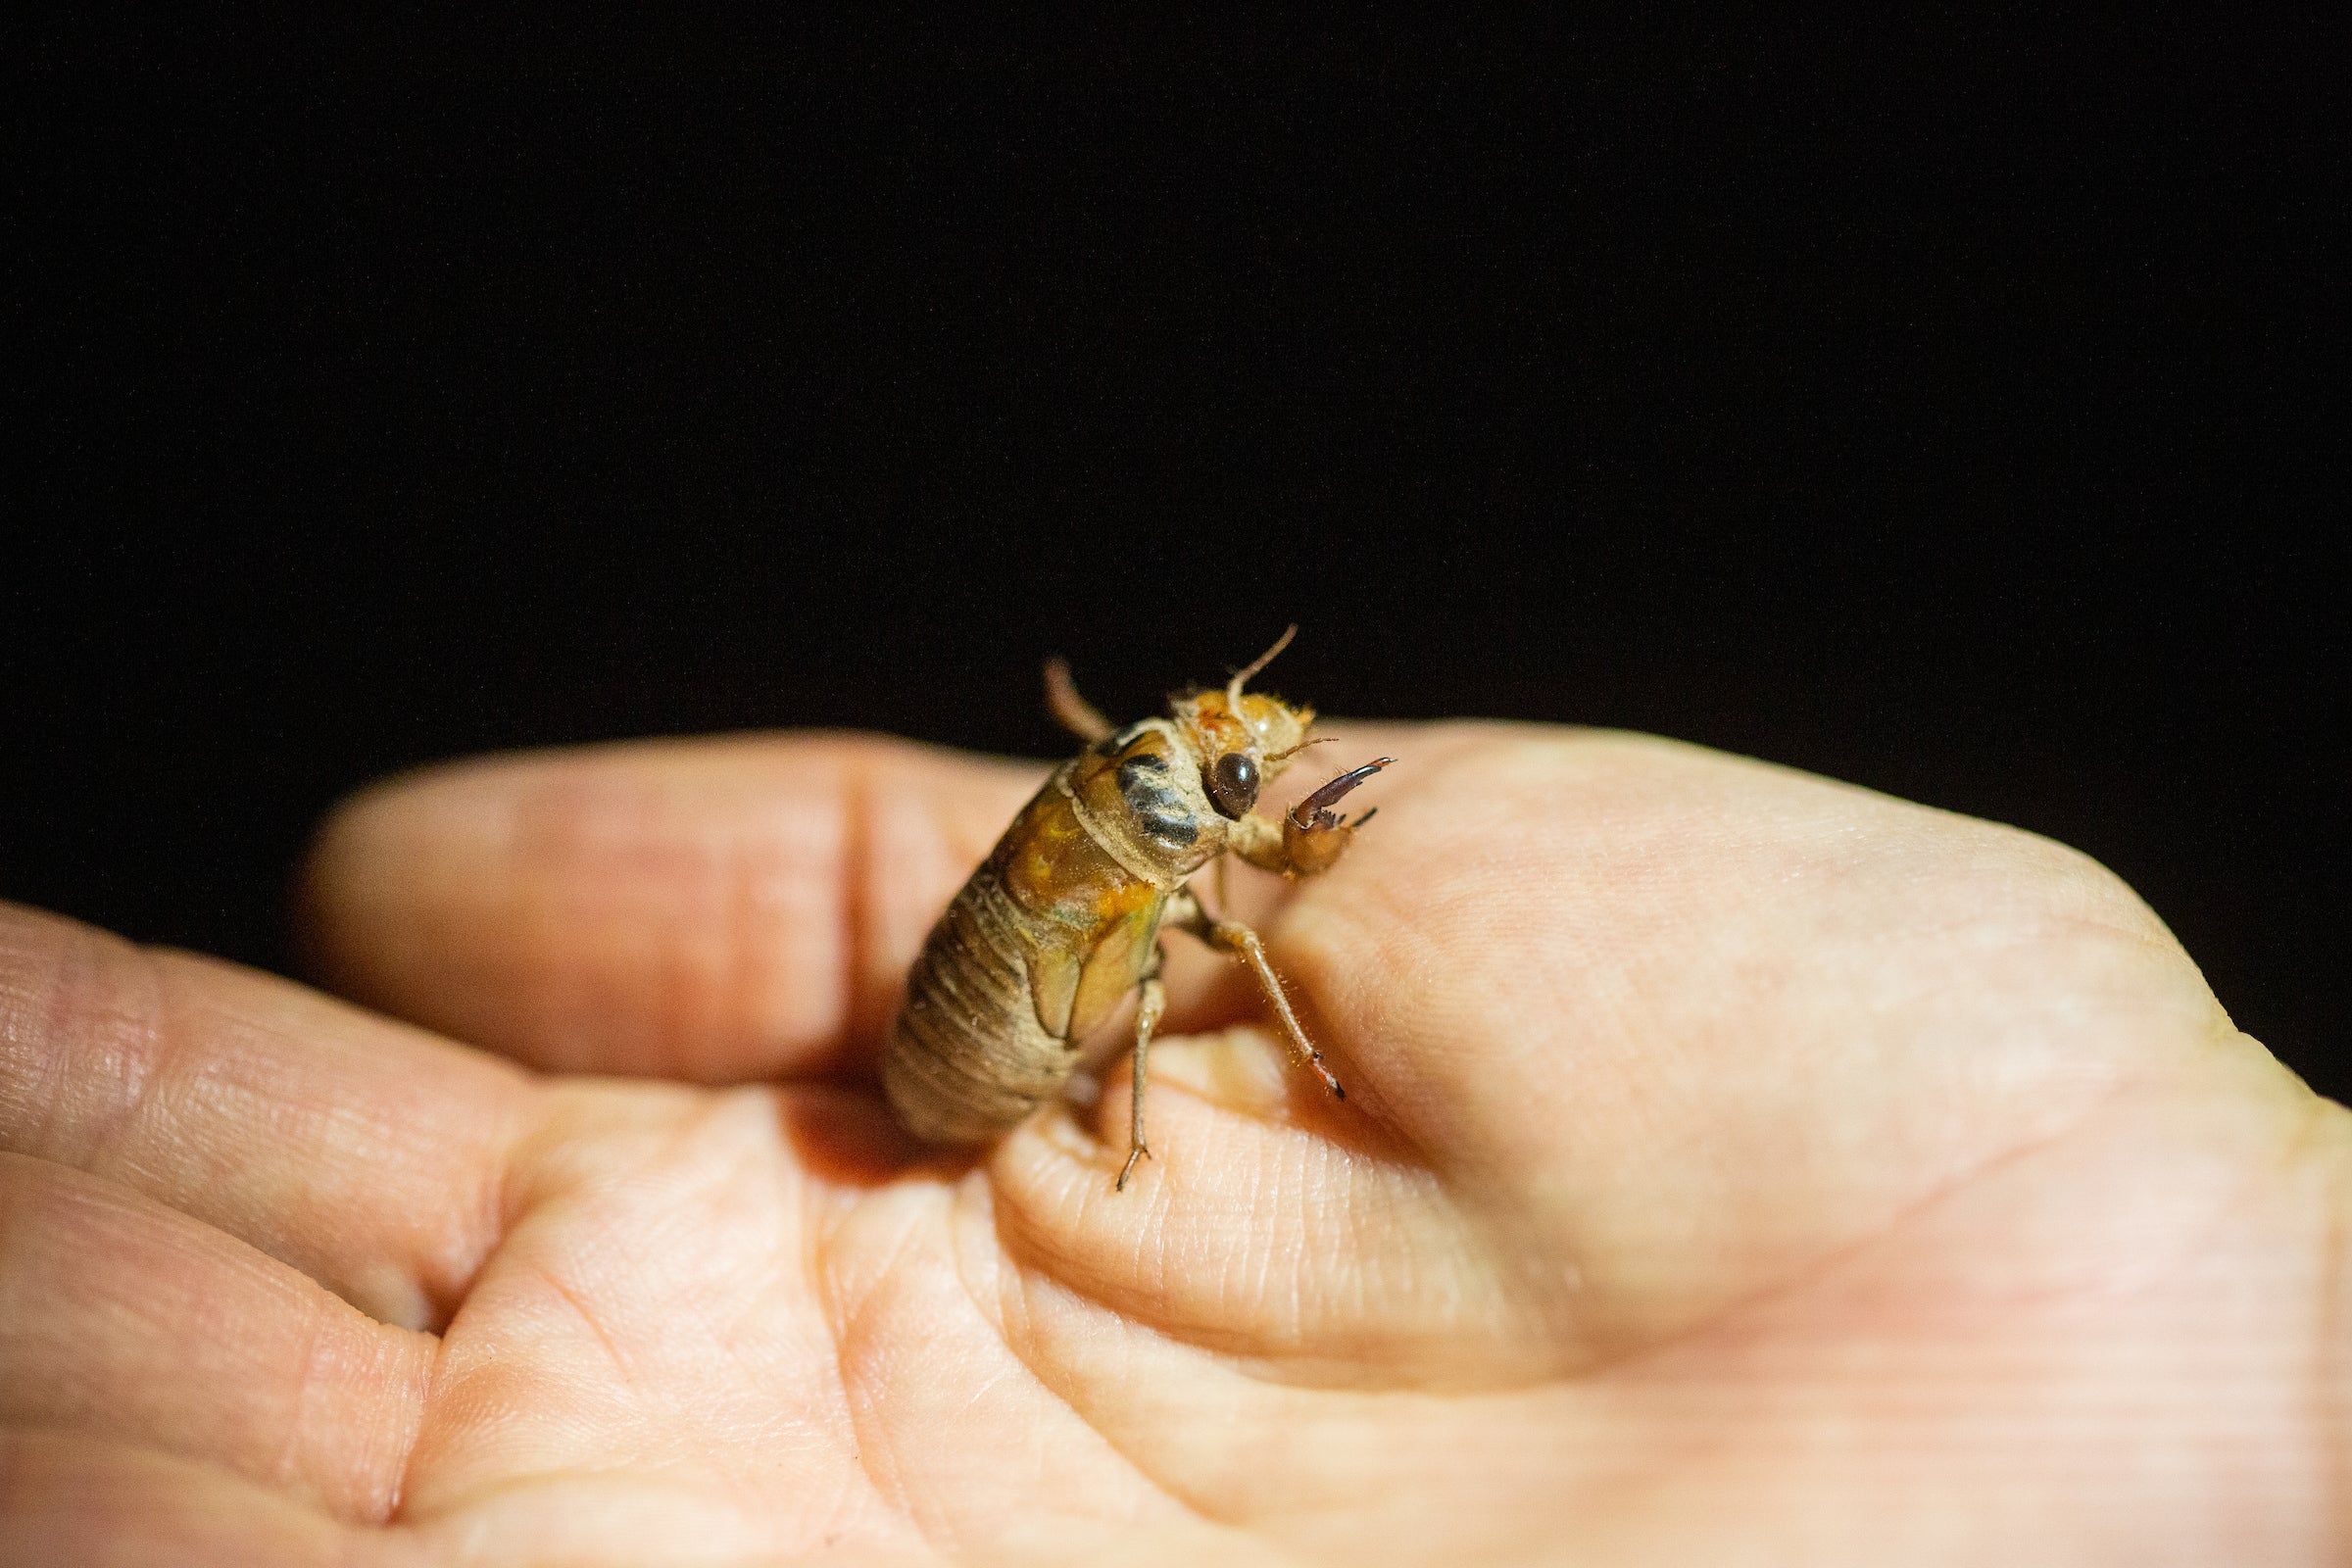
(716, 911)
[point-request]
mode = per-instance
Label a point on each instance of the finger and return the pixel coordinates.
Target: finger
(72, 1501)
(125, 1321)
(360, 1152)
(1277, 1230)
(1670, 1027)
(716, 911)
(1698, 1023)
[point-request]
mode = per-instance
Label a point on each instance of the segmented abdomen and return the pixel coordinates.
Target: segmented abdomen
(967, 1057)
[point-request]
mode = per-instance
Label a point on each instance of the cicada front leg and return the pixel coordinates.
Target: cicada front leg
(1312, 836)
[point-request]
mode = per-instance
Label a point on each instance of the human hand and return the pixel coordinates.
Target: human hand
(1735, 1166)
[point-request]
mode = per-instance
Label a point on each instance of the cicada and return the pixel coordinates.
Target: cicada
(1063, 920)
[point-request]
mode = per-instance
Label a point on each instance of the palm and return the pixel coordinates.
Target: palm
(1734, 1163)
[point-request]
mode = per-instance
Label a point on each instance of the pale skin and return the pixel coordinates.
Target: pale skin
(1737, 1167)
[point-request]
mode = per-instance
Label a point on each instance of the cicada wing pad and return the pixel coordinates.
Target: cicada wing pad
(1127, 954)
(1076, 994)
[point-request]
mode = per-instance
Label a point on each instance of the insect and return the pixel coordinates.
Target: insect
(1063, 918)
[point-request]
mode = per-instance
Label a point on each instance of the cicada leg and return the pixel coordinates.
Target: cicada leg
(1150, 1003)
(1312, 836)
(1313, 833)
(1070, 710)
(1236, 940)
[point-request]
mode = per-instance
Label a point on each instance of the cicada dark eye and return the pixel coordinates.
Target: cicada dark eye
(1232, 781)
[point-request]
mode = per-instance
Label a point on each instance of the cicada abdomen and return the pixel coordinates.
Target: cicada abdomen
(1040, 944)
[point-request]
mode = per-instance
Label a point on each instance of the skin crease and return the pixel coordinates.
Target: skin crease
(1738, 1167)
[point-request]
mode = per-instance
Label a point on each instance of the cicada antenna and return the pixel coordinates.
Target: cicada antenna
(1319, 740)
(1233, 687)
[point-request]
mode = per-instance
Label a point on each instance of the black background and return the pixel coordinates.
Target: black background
(1952, 409)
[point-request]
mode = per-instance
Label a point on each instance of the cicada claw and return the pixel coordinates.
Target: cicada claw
(1314, 813)
(1313, 833)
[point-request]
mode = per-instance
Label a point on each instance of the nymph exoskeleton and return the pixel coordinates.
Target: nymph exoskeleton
(1063, 920)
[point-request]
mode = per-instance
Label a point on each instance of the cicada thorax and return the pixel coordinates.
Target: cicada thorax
(1140, 795)
(1048, 936)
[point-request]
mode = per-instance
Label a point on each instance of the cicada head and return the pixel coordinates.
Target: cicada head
(1242, 739)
